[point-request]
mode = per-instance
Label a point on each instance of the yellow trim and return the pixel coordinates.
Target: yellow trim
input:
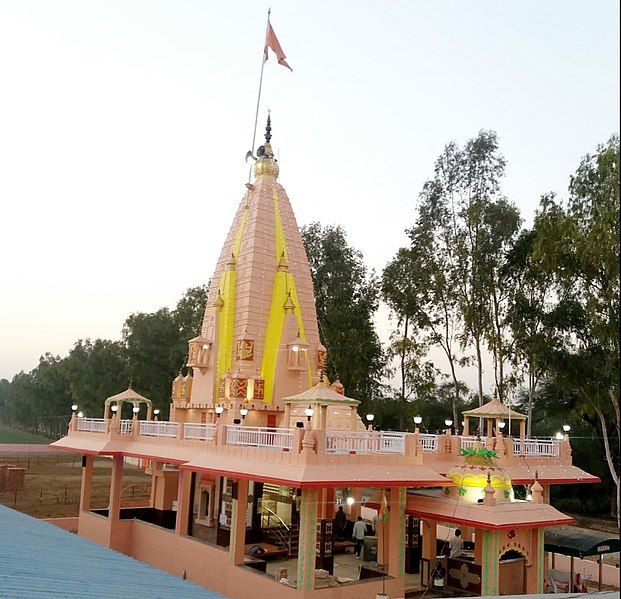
(283, 283)
(226, 317)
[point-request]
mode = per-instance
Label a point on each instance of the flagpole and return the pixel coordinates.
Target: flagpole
(256, 115)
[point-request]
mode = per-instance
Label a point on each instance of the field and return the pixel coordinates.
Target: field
(52, 484)
(9, 435)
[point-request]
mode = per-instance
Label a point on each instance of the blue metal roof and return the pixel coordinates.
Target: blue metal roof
(41, 561)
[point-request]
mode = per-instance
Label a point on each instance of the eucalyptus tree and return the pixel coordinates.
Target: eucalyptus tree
(405, 289)
(577, 244)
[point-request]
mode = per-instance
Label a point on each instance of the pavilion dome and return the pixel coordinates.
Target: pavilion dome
(471, 477)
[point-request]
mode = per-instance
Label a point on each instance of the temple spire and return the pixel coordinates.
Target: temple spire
(268, 128)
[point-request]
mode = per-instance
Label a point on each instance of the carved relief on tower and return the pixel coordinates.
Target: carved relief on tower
(239, 388)
(258, 389)
(322, 357)
(244, 350)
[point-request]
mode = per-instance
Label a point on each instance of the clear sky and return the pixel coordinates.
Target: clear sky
(124, 125)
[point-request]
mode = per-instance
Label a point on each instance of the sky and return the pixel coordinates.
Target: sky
(124, 126)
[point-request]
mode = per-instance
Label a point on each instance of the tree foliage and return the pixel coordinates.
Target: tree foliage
(346, 298)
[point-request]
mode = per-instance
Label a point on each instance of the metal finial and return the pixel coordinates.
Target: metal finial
(268, 128)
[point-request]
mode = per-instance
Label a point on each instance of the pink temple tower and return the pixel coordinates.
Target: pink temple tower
(259, 341)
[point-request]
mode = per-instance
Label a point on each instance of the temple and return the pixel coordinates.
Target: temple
(261, 449)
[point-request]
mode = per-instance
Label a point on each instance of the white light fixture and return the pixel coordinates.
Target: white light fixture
(350, 501)
(295, 348)
(418, 420)
(205, 345)
(80, 414)
(501, 425)
(74, 407)
(219, 410)
(243, 412)
(559, 436)
(135, 409)
(566, 428)
(156, 411)
(370, 417)
(114, 409)
(309, 413)
(448, 422)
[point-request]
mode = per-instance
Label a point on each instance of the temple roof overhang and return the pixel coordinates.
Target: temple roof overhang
(503, 516)
(128, 395)
(523, 472)
(322, 394)
(494, 409)
(301, 471)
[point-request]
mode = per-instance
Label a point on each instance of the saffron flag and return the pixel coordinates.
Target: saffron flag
(271, 41)
(383, 510)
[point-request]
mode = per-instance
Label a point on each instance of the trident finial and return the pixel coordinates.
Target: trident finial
(268, 128)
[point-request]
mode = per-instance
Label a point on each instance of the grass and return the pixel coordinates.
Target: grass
(10, 435)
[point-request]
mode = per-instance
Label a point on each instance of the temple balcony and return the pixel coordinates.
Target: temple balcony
(257, 448)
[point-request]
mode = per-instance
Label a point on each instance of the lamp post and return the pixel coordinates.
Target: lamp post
(219, 410)
(448, 422)
(370, 418)
(74, 407)
(243, 412)
(559, 436)
(156, 414)
(566, 429)
(417, 422)
(135, 410)
(80, 414)
(309, 413)
(501, 426)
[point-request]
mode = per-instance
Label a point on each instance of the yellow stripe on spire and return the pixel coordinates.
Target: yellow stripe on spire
(226, 323)
(283, 284)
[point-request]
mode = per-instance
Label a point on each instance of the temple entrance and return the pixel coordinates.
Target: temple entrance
(512, 573)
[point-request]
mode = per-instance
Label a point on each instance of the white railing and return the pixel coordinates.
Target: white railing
(465, 442)
(198, 432)
(365, 442)
(537, 447)
(255, 436)
(92, 425)
(429, 443)
(154, 428)
(391, 442)
(125, 427)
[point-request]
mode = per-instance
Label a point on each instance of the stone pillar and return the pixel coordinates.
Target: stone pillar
(184, 493)
(354, 418)
(308, 538)
(149, 411)
(106, 411)
(489, 562)
(356, 493)
(116, 486)
(522, 429)
(237, 541)
(466, 431)
(535, 574)
(396, 527)
(87, 483)
(429, 550)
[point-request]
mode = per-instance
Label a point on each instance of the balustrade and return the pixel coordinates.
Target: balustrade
(536, 447)
(255, 436)
(155, 428)
(125, 427)
(429, 443)
(92, 425)
(198, 432)
(365, 442)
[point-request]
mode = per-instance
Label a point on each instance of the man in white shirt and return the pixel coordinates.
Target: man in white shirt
(456, 544)
(360, 529)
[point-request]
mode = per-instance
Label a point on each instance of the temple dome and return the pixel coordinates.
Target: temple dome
(471, 476)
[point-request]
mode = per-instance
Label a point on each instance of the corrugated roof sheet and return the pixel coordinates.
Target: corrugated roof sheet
(40, 561)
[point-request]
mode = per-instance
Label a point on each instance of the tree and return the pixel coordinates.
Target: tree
(346, 298)
(578, 245)
(404, 290)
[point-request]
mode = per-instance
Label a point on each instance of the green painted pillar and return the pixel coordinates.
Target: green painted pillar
(396, 527)
(308, 539)
(489, 563)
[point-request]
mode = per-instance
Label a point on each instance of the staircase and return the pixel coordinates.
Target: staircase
(276, 532)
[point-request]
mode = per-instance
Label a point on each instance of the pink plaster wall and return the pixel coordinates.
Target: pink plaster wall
(610, 574)
(69, 524)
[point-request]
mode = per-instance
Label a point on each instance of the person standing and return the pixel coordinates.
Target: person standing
(360, 529)
(456, 544)
(340, 522)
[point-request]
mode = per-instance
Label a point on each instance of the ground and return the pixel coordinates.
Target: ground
(52, 484)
